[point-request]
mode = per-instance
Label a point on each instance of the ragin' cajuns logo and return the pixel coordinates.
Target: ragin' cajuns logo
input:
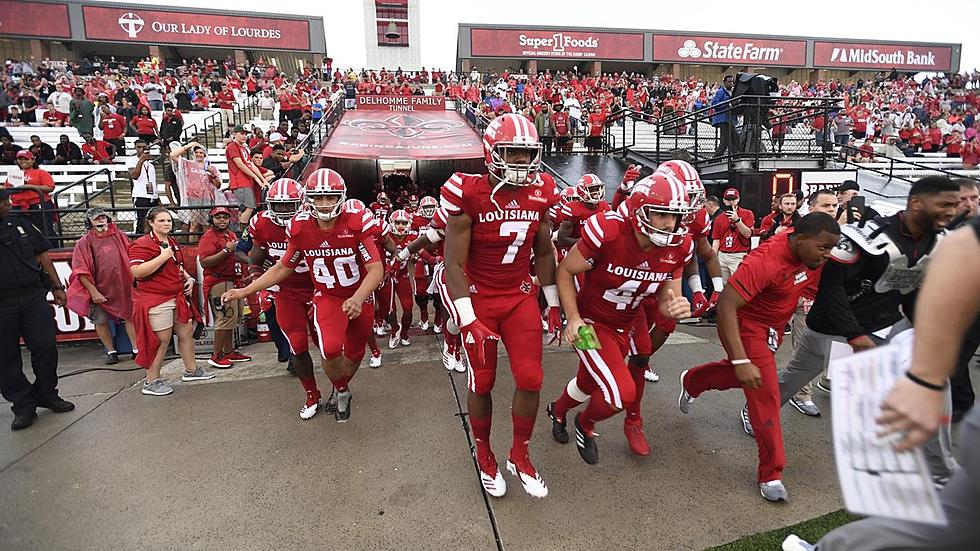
(403, 125)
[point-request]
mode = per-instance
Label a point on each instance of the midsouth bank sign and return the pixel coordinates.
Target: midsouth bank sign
(881, 56)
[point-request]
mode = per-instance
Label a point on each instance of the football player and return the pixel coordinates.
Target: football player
(399, 277)
(424, 264)
(591, 193)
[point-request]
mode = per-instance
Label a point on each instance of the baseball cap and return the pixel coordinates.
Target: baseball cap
(275, 137)
(219, 210)
(731, 193)
(25, 154)
(848, 185)
(239, 128)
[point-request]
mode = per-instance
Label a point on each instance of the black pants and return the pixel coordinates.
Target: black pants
(728, 139)
(546, 141)
(143, 206)
(27, 315)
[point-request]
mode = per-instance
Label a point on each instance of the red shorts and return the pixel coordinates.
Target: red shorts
(607, 367)
(515, 317)
(293, 313)
(336, 333)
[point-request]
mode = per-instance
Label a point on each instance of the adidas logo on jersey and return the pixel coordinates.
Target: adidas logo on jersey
(644, 266)
(325, 244)
(470, 339)
(513, 204)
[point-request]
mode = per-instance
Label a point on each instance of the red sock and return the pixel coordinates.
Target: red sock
(523, 427)
(596, 411)
(563, 404)
(481, 433)
(406, 324)
(452, 341)
(423, 314)
(341, 383)
(373, 345)
(309, 384)
(633, 409)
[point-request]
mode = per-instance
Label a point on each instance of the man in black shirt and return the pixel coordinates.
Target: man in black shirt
(278, 162)
(24, 312)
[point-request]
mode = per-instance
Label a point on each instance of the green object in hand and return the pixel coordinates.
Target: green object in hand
(587, 339)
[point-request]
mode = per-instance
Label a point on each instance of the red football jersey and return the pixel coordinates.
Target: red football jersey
(336, 257)
(380, 211)
(402, 241)
(419, 222)
(622, 273)
(271, 237)
(503, 229)
(772, 281)
(700, 226)
(579, 212)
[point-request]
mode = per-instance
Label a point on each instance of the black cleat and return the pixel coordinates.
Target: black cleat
(330, 406)
(344, 400)
(559, 431)
(586, 444)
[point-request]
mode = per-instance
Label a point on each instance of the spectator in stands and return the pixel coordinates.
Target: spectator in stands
(866, 152)
(8, 150)
(183, 100)
(279, 163)
(144, 125)
(67, 152)
(61, 99)
(845, 192)
(97, 152)
(597, 123)
(113, 128)
(13, 117)
(144, 177)
(246, 180)
(216, 254)
(275, 138)
(542, 123)
(53, 117)
(559, 122)
(266, 106)
(160, 302)
(267, 175)
(37, 185)
(172, 124)
(970, 153)
(842, 128)
(81, 112)
(154, 95)
(722, 118)
(28, 106)
(731, 233)
(43, 153)
(100, 286)
(197, 181)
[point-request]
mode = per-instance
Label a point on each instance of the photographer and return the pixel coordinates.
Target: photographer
(731, 233)
(216, 253)
(144, 177)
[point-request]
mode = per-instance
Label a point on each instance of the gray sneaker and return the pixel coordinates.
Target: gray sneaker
(774, 491)
(156, 388)
(746, 424)
(824, 385)
(330, 406)
(343, 406)
(806, 407)
(684, 400)
(197, 375)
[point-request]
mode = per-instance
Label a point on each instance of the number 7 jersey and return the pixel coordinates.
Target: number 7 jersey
(503, 230)
(622, 273)
(336, 257)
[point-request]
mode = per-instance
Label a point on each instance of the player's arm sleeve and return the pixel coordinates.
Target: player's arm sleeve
(451, 195)
(368, 250)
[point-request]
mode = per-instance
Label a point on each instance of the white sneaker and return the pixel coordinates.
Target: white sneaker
(406, 341)
(794, 543)
(533, 485)
(379, 330)
(309, 410)
(651, 375)
(448, 358)
(393, 341)
(460, 364)
(375, 361)
(424, 326)
(437, 329)
(496, 486)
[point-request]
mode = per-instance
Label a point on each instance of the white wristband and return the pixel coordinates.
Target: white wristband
(551, 295)
(694, 282)
(464, 307)
(740, 362)
(718, 283)
(403, 254)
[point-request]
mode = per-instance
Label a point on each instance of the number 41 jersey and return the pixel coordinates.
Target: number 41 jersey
(622, 273)
(503, 230)
(336, 257)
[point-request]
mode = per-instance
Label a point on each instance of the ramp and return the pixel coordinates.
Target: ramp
(567, 169)
(420, 135)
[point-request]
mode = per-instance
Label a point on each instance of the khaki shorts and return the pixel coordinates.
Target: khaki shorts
(162, 315)
(230, 314)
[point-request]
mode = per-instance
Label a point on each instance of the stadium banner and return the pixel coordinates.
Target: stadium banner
(34, 19)
(551, 44)
(401, 103)
(729, 50)
(862, 55)
(413, 135)
(172, 27)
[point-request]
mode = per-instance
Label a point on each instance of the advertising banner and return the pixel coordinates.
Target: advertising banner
(139, 25)
(852, 55)
(561, 44)
(34, 19)
(729, 50)
(414, 135)
(401, 103)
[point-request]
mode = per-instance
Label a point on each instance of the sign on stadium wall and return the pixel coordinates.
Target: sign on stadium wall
(401, 103)
(728, 50)
(556, 44)
(34, 19)
(851, 55)
(139, 25)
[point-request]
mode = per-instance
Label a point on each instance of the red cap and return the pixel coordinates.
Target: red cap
(219, 210)
(25, 154)
(731, 193)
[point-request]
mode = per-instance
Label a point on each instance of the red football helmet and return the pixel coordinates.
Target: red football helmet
(505, 135)
(383, 199)
(658, 193)
(354, 205)
(428, 206)
(401, 222)
(590, 188)
(683, 171)
(413, 203)
(285, 198)
(325, 182)
(570, 195)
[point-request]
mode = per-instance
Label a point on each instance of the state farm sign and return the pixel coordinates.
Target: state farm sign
(563, 44)
(138, 25)
(882, 56)
(735, 51)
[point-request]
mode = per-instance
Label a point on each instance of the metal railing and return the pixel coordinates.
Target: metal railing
(847, 152)
(83, 181)
(319, 133)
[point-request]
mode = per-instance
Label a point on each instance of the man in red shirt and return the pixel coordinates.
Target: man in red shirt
(216, 253)
(244, 176)
(98, 151)
(731, 233)
(754, 308)
(37, 185)
(113, 128)
(53, 117)
(597, 122)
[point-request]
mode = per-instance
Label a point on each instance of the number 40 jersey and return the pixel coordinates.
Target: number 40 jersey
(622, 273)
(503, 229)
(336, 257)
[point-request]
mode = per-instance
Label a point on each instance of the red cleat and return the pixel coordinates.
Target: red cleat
(636, 438)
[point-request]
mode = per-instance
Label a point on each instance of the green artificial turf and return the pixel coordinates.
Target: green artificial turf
(810, 530)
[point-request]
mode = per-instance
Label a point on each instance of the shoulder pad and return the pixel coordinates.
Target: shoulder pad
(845, 252)
(861, 237)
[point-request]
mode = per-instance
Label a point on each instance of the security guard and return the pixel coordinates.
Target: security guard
(24, 312)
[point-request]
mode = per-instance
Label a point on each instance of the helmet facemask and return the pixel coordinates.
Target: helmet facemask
(593, 193)
(517, 174)
(282, 211)
(659, 237)
(326, 213)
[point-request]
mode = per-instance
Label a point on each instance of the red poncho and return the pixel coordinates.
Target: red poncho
(104, 259)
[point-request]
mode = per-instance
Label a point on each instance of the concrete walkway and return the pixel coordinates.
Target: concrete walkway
(228, 464)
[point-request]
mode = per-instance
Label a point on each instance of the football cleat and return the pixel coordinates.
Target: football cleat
(311, 406)
(436, 329)
(406, 341)
(651, 375)
(330, 407)
(490, 476)
(528, 475)
(393, 342)
(559, 429)
(344, 400)
(461, 363)
(774, 491)
(424, 326)
(636, 438)
(448, 357)
(375, 360)
(585, 443)
(684, 400)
